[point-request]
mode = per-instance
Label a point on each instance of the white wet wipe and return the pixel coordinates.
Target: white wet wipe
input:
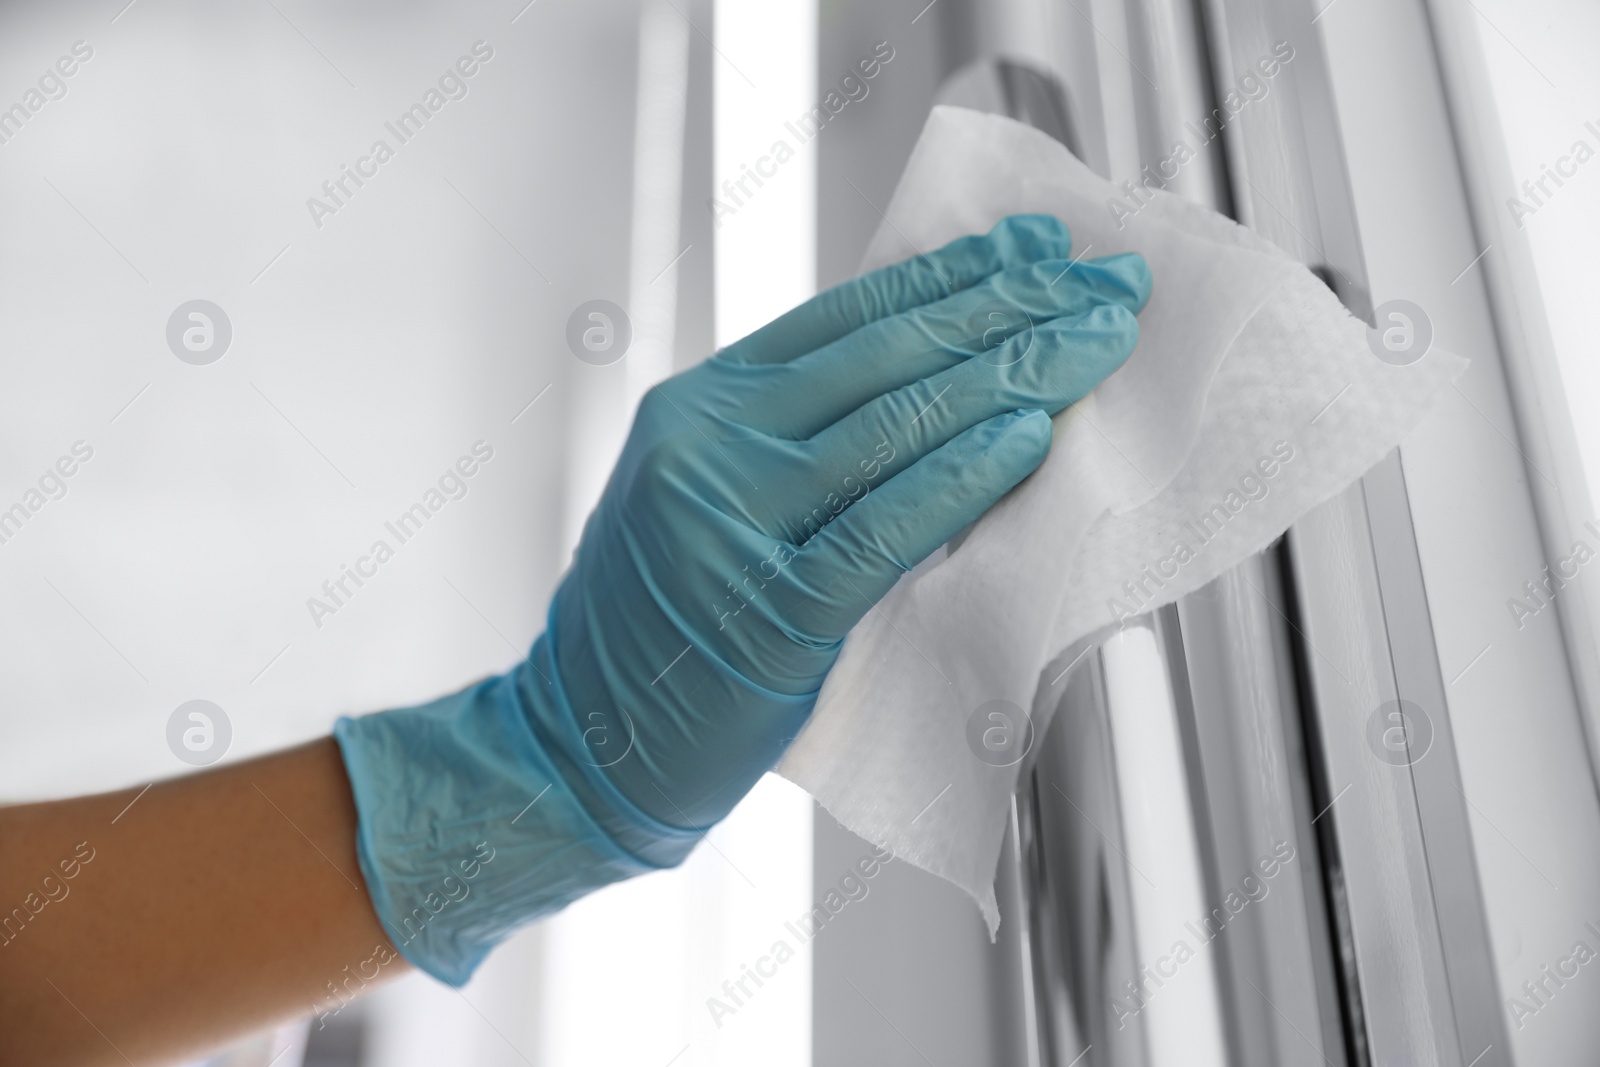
(1252, 396)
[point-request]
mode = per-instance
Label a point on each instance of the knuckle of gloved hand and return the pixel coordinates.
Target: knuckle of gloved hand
(1035, 233)
(1067, 361)
(655, 473)
(1094, 347)
(937, 331)
(824, 506)
(1101, 319)
(1114, 342)
(1119, 322)
(654, 408)
(1113, 279)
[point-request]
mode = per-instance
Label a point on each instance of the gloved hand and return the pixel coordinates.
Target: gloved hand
(764, 502)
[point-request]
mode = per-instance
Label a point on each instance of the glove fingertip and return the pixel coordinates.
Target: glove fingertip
(1134, 272)
(1021, 441)
(1114, 318)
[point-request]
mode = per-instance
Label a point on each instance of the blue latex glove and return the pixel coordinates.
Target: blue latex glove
(764, 502)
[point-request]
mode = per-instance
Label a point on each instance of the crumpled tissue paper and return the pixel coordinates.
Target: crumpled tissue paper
(1252, 396)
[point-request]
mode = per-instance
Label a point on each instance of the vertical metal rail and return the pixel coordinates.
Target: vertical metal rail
(1238, 718)
(1232, 645)
(1406, 878)
(1230, 656)
(1072, 873)
(1371, 944)
(1079, 898)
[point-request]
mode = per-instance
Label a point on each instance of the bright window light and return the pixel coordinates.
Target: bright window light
(765, 193)
(1183, 1013)
(1548, 97)
(699, 966)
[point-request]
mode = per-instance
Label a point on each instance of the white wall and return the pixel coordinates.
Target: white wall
(376, 350)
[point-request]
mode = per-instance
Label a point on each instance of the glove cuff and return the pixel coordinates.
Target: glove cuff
(473, 821)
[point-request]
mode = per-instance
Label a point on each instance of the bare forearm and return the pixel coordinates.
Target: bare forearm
(149, 929)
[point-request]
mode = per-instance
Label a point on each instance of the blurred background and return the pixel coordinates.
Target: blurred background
(356, 335)
(381, 327)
